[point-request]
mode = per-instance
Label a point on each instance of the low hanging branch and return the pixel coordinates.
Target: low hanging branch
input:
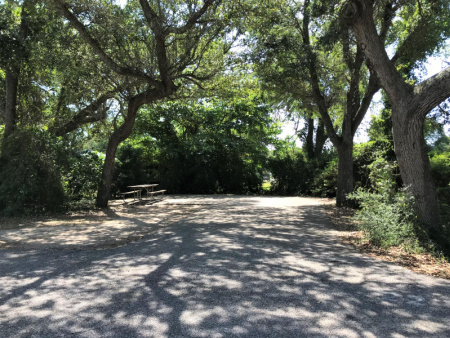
(94, 112)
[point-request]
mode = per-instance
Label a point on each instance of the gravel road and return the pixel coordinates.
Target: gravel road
(233, 267)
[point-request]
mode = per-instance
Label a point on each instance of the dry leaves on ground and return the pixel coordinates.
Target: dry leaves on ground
(421, 263)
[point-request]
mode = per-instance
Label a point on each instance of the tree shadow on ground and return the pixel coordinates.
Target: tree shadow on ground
(237, 268)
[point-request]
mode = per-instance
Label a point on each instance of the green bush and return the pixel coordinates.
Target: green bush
(325, 179)
(209, 147)
(81, 174)
(387, 220)
(294, 174)
(387, 215)
(290, 172)
(133, 166)
(440, 170)
(30, 180)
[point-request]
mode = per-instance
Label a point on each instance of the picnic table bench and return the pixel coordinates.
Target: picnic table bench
(136, 194)
(153, 193)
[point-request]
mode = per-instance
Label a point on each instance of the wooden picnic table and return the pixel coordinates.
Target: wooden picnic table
(149, 188)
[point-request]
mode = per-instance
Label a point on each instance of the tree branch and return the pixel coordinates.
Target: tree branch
(152, 18)
(85, 115)
(359, 15)
(431, 92)
(192, 20)
(372, 87)
(125, 71)
(318, 96)
(388, 15)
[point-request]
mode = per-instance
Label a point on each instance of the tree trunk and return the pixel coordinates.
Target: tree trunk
(345, 172)
(120, 135)
(117, 137)
(10, 114)
(412, 157)
(309, 139)
(108, 170)
(321, 138)
(410, 105)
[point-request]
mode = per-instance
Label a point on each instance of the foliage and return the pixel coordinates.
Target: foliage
(81, 170)
(29, 179)
(387, 215)
(295, 174)
(364, 156)
(325, 182)
(290, 172)
(201, 147)
(134, 165)
(440, 170)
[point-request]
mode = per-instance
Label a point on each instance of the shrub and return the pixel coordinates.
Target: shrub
(325, 179)
(387, 215)
(290, 172)
(387, 220)
(81, 174)
(440, 170)
(294, 174)
(30, 181)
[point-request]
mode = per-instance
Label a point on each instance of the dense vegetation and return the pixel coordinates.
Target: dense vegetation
(96, 96)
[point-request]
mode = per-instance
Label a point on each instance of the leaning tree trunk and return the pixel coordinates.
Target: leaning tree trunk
(108, 171)
(414, 165)
(117, 137)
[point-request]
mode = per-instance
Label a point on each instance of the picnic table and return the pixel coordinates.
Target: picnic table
(136, 191)
(138, 188)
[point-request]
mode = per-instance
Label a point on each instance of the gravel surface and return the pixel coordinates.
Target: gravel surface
(219, 267)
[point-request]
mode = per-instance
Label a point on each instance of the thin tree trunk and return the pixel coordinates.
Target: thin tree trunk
(309, 140)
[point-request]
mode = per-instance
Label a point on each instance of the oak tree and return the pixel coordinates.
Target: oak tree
(411, 102)
(163, 46)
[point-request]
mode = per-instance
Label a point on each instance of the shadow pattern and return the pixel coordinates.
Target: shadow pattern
(237, 267)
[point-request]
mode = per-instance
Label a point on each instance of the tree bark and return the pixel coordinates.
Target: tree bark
(412, 157)
(321, 138)
(309, 139)
(10, 113)
(120, 135)
(345, 181)
(13, 71)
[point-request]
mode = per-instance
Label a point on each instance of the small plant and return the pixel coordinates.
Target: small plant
(387, 219)
(387, 215)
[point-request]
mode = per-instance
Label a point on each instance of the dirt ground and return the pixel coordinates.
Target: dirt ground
(122, 223)
(126, 222)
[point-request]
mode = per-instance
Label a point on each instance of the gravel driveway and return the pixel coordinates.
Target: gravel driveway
(221, 267)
